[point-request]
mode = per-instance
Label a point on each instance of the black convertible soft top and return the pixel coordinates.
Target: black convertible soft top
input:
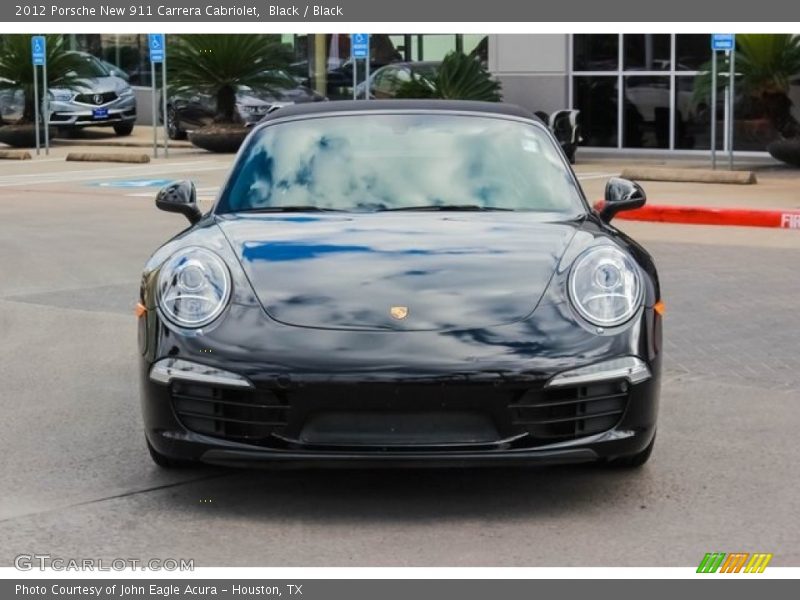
(341, 106)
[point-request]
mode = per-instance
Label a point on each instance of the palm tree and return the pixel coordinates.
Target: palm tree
(459, 77)
(765, 66)
(16, 70)
(218, 65)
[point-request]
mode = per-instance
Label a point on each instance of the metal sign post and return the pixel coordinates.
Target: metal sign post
(153, 104)
(731, 82)
(46, 102)
(355, 79)
(714, 110)
(155, 42)
(359, 48)
(367, 85)
(38, 58)
(725, 42)
(164, 95)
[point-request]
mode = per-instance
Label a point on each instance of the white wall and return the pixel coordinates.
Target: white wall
(533, 69)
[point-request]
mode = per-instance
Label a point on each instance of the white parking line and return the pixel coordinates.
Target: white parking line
(36, 161)
(202, 192)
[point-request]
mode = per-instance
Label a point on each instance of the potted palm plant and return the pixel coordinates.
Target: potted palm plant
(220, 66)
(765, 66)
(459, 77)
(16, 82)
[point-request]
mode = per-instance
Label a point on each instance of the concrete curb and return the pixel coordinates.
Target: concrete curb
(689, 175)
(15, 155)
(108, 157)
(704, 215)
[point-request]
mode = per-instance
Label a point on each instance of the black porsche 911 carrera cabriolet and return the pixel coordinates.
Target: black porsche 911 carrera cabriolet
(400, 283)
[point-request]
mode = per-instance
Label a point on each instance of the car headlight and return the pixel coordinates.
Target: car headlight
(60, 96)
(194, 287)
(126, 92)
(605, 286)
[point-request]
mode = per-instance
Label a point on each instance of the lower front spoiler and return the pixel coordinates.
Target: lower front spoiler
(354, 460)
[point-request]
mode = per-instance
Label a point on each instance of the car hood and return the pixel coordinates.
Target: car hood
(448, 271)
(94, 85)
(297, 95)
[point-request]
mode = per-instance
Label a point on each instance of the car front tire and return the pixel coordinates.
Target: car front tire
(174, 130)
(123, 129)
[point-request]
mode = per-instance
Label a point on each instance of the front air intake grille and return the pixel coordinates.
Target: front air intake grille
(249, 416)
(573, 412)
(96, 99)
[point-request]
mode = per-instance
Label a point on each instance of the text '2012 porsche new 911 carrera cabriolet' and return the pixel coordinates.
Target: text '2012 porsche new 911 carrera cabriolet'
(400, 283)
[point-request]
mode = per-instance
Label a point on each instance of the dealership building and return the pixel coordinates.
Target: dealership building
(635, 92)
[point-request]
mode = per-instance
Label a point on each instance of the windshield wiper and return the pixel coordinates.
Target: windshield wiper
(292, 208)
(446, 207)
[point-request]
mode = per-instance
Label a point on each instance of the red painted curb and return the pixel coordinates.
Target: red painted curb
(693, 215)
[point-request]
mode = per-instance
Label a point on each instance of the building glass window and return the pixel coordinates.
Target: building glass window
(335, 80)
(646, 112)
(659, 75)
(646, 52)
(595, 52)
(692, 51)
(596, 98)
(693, 117)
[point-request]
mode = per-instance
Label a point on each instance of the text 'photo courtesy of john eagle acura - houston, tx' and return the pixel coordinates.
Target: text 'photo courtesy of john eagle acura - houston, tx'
(403, 282)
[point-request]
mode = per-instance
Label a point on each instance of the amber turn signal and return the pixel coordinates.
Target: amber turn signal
(140, 310)
(660, 307)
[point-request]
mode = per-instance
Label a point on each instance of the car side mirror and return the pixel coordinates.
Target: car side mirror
(621, 194)
(179, 197)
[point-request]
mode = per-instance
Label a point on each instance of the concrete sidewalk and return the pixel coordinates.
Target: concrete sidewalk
(778, 186)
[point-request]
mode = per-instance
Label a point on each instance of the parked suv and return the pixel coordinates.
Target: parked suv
(100, 97)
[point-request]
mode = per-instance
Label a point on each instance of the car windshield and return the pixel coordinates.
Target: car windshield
(86, 67)
(282, 78)
(375, 162)
(423, 70)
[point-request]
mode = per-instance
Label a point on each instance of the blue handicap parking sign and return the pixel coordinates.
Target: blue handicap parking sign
(155, 42)
(38, 50)
(359, 44)
(722, 41)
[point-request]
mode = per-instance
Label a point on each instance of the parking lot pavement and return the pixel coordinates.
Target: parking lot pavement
(77, 482)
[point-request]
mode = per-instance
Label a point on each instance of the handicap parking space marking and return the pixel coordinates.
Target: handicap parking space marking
(132, 183)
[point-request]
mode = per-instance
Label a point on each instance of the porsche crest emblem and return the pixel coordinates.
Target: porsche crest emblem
(399, 312)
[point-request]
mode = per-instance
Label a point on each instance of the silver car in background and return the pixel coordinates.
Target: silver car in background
(99, 97)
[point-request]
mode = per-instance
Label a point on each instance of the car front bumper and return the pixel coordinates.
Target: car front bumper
(74, 114)
(402, 423)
